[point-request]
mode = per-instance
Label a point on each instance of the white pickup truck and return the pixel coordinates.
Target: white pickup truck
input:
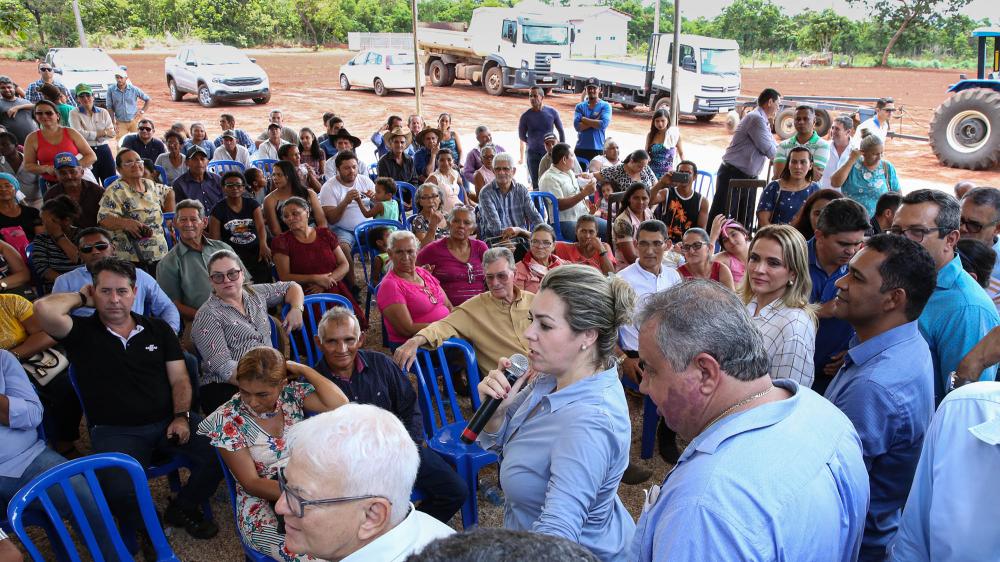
(84, 66)
(503, 48)
(215, 73)
(708, 76)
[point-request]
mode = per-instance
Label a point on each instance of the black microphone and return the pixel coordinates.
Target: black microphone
(518, 366)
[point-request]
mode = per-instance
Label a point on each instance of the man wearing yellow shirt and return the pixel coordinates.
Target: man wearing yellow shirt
(493, 322)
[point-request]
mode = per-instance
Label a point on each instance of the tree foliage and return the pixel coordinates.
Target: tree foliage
(903, 14)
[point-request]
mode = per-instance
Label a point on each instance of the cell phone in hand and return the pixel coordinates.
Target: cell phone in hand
(680, 177)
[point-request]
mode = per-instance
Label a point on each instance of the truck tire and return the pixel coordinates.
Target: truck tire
(451, 74)
(662, 103)
(439, 73)
(784, 123)
(628, 106)
(345, 84)
(262, 99)
(205, 96)
(494, 81)
(175, 94)
(705, 118)
(965, 130)
(823, 122)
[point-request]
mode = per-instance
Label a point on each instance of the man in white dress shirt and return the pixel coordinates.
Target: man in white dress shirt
(841, 145)
(346, 488)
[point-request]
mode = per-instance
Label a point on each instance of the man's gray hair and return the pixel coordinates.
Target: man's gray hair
(846, 122)
(350, 440)
(502, 544)
(5, 80)
(398, 235)
(503, 157)
(608, 142)
(190, 204)
(482, 129)
(702, 316)
(495, 254)
(334, 315)
(870, 141)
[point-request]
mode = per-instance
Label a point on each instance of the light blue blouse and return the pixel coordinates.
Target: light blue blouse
(563, 456)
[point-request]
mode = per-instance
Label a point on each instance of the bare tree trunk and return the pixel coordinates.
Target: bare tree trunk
(38, 19)
(895, 38)
(310, 29)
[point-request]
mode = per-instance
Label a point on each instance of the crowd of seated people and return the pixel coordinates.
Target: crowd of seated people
(866, 296)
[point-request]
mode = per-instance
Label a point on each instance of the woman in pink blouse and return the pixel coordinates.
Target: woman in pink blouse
(457, 259)
(533, 267)
(409, 297)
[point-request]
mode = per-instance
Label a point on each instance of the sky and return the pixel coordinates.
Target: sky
(976, 9)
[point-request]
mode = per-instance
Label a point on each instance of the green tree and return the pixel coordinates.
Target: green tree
(901, 14)
(820, 29)
(755, 24)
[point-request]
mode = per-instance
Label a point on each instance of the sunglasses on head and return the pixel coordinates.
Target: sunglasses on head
(100, 247)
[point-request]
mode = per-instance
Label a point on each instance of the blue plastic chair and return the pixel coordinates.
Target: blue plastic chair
(367, 252)
(373, 171)
(443, 430)
(584, 163)
(310, 323)
(402, 186)
(110, 180)
(705, 185)
(222, 166)
(249, 552)
(650, 418)
(38, 491)
(168, 230)
(547, 205)
(265, 165)
(163, 174)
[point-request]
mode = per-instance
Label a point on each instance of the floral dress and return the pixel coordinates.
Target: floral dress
(228, 428)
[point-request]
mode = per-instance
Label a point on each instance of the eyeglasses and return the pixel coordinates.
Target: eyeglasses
(84, 95)
(541, 243)
(298, 506)
(690, 247)
(888, 110)
(232, 275)
(132, 163)
(501, 277)
(100, 247)
(916, 233)
(974, 227)
(470, 273)
(46, 113)
(655, 244)
(233, 184)
(146, 129)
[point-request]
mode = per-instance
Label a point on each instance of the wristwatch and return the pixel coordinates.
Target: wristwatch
(300, 308)
(3, 285)
(186, 415)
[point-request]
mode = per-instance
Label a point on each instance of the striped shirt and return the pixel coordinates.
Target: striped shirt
(224, 334)
(789, 338)
(819, 148)
(46, 254)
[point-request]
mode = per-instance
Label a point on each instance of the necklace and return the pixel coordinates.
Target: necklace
(743, 402)
(264, 415)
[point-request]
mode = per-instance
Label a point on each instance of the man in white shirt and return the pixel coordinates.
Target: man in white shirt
(841, 144)
(268, 150)
(346, 488)
(561, 181)
(341, 197)
(231, 150)
(877, 125)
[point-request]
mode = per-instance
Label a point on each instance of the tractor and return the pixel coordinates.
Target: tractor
(965, 129)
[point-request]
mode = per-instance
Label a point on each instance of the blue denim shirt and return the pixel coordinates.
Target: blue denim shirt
(886, 387)
(125, 104)
(150, 300)
(19, 442)
(593, 138)
(782, 481)
(564, 453)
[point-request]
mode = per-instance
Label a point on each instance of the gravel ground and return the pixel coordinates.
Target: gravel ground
(225, 547)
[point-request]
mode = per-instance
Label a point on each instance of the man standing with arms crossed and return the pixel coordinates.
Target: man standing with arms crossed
(591, 121)
(534, 125)
(123, 105)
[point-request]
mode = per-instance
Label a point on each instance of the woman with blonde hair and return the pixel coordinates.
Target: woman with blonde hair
(776, 291)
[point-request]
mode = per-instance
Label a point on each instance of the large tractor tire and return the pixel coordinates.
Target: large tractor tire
(784, 123)
(965, 130)
(823, 122)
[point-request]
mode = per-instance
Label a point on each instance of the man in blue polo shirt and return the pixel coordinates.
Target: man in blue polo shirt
(591, 121)
(840, 231)
(959, 313)
(886, 386)
(981, 221)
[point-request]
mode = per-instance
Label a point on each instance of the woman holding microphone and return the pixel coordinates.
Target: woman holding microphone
(563, 430)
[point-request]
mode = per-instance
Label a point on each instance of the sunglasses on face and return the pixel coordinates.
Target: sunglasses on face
(44, 70)
(146, 129)
(501, 277)
(220, 277)
(100, 247)
(691, 247)
(45, 113)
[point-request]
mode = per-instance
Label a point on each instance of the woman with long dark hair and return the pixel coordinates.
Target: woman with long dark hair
(805, 219)
(310, 153)
(663, 143)
(783, 198)
(285, 184)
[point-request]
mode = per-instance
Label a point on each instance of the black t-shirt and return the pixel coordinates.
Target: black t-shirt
(123, 386)
(29, 218)
(238, 229)
(678, 214)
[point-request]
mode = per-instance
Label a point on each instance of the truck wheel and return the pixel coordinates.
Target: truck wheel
(494, 81)
(784, 123)
(345, 84)
(439, 73)
(965, 130)
(205, 97)
(823, 122)
(662, 103)
(262, 99)
(175, 94)
(380, 89)
(450, 78)
(705, 118)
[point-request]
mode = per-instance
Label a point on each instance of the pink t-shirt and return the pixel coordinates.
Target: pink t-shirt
(461, 280)
(395, 290)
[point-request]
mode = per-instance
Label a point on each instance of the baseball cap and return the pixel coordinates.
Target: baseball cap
(228, 133)
(121, 72)
(550, 136)
(273, 126)
(593, 82)
(83, 89)
(195, 151)
(65, 160)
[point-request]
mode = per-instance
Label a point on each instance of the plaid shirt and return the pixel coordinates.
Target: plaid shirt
(242, 139)
(34, 94)
(500, 210)
(789, 338)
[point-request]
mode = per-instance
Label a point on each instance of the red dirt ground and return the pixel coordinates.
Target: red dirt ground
(306, 84)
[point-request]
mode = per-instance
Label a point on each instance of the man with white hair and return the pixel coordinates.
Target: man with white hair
(345, 494)
(504, 204)
(474, 160)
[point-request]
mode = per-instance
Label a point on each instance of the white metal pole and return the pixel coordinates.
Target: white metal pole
(674, 101)
(656, 16)
(416, 60)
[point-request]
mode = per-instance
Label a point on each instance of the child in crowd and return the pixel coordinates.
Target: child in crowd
(256, 184)
(384, 204)
(378, 238)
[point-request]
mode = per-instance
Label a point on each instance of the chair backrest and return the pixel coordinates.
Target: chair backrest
(301, 340)
(110, 180)
(279, 337)
(401, 187)
(742, 204)
(583, 162)
(38, 490)
(367, 252)
(265, 165)
(432, 370)
(705, 185)
(547, 205)
(71, 373)
(222, 166)
(251, 554)
(163, 174)
(168, 229)
(373, 171)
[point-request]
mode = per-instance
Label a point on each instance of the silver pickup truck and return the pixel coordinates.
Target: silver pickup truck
(215, 72)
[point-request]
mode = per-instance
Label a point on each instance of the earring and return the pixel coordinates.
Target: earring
(791, 282)
(583, 347)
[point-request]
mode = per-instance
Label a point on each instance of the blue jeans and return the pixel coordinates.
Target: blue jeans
(44, 461)
(345, 236)
(568, 229)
